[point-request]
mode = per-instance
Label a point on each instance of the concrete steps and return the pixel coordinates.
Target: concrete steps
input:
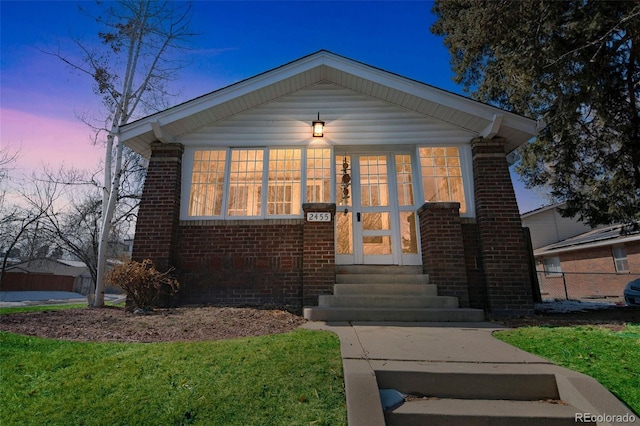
(474, 394)
(387, 293)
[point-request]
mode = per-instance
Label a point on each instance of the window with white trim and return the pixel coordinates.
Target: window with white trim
(552, 266)
(318, 175)
(620, 259)
(257, 182)
(442, 175)
(207, 182)
(245, 182)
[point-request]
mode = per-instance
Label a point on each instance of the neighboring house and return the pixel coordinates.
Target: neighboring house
(591, 263)
(47, 274)
(251, 208)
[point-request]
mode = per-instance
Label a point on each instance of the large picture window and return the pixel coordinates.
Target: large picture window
(442, 175)
(257, 182)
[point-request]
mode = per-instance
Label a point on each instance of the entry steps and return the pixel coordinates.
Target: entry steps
(387, 293)
(474, 394)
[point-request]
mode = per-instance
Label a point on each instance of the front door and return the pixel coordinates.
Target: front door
(375, 210)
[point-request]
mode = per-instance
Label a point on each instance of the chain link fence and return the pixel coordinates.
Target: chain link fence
(584, 286)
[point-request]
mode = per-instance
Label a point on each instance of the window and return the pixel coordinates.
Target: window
(207, 183)
(318, 175)
(257, 182)
(245, 182)
(442, 175)
(284, 183)
(552, 266)
(620, 259)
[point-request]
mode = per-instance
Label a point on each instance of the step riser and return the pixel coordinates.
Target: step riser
(387, 301)
(378, 269)
(452, 419)
(468, 385)
(382, 279)
(391, 289)
(402, 315)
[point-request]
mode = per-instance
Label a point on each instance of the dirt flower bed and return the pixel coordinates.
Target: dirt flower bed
(111, 324)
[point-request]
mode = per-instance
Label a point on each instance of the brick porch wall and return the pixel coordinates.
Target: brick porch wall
(443, 254)
(504, 257)
(240, 263)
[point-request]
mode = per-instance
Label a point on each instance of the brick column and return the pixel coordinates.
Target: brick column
(159, 210)
(319, 254)
(443, 249)
(500, 231)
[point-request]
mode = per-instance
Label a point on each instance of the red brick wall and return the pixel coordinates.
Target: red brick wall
(502, 244)
(473, 264)
(240, 263)
(16, 281)
(443, 256)
(319, 262)
(159, 207)
(591, 273)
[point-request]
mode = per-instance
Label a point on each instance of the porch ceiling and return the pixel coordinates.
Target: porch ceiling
(481, 119)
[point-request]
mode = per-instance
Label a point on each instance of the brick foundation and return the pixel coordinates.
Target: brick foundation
(504, 257)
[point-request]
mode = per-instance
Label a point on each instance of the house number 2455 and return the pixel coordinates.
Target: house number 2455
(318, 217)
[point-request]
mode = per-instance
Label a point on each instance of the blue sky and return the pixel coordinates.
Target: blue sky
(41, 98)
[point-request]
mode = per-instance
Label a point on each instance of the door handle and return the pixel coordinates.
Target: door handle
(358, 216)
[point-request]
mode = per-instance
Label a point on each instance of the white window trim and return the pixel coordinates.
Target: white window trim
(549, 273)
(466, 166)
(621, 259)
(187, 170)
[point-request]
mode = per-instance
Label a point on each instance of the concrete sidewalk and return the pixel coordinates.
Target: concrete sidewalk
(458, 373)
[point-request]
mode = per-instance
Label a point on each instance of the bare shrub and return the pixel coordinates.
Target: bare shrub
(142, 282)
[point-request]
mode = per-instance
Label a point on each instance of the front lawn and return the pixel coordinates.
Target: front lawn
(611, 357)
(285, 379)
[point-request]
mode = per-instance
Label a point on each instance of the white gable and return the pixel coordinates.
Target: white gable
(357, 101)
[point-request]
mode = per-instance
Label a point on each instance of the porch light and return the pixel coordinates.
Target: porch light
(318, 127)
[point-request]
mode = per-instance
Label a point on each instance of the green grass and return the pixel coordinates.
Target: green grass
(612, 358)
(286, 379)
(38, 308)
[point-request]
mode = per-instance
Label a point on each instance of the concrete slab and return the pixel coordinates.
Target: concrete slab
(33, 298)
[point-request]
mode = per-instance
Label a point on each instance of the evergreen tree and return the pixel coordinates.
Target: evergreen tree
(573, 65)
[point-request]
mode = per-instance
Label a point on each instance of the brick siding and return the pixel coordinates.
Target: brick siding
(443, 255)
(504, 256)
(319, 263)
(591, 273)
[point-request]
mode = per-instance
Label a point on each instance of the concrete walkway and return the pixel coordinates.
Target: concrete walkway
(458, 373)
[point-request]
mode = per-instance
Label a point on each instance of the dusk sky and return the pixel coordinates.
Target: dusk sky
(41, 98)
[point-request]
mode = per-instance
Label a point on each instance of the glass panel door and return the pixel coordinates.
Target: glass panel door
(376, 214)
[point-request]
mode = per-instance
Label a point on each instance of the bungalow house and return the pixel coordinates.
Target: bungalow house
(308, 183)
(575, 261)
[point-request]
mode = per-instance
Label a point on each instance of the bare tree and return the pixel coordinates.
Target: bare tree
(131, 69)
(22, 218)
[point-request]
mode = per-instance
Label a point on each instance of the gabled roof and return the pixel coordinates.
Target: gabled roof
(323, 66)
(50, 266)
(607, 236)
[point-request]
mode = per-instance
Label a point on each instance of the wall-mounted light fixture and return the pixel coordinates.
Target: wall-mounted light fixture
(318, 127)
